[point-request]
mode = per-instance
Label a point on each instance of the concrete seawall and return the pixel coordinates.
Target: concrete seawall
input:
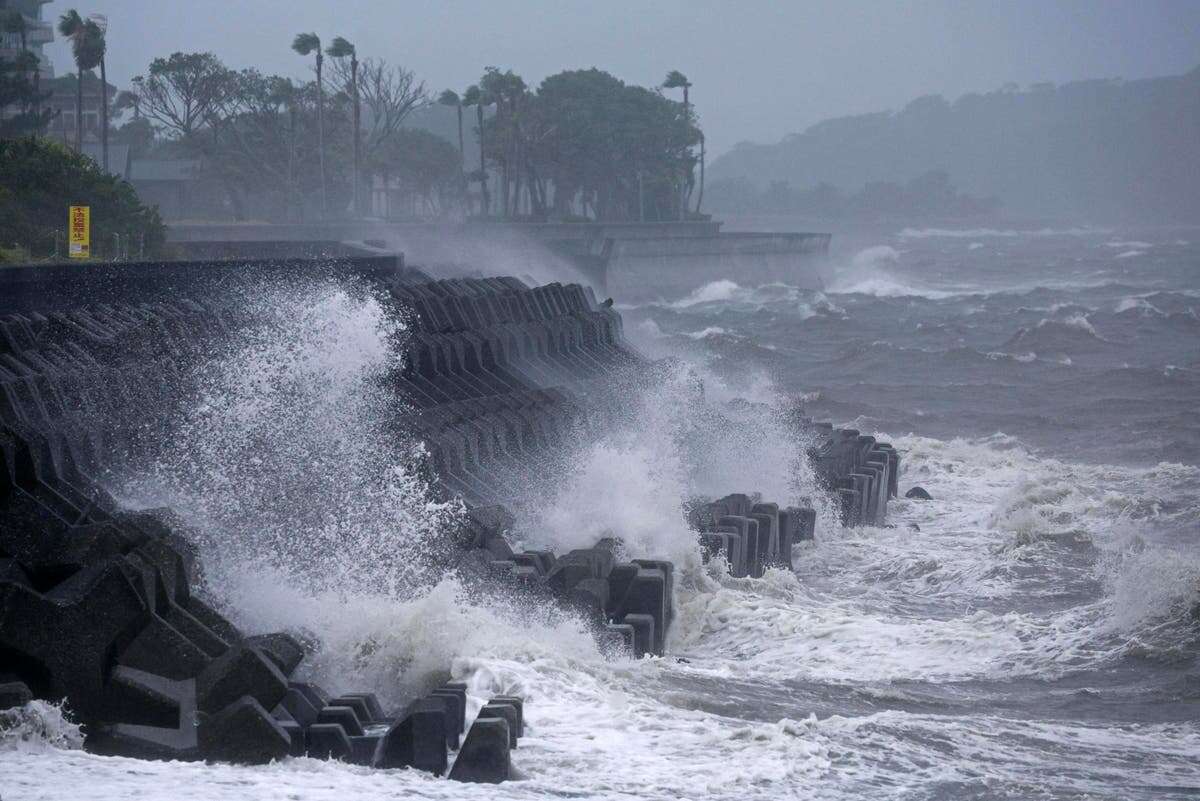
(631, 261)
(103, 605)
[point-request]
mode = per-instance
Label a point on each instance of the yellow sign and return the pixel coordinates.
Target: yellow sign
(80, 226)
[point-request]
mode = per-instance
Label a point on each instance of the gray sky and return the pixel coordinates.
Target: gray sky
(760, 69)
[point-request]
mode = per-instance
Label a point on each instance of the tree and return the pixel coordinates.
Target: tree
(388, 93)
(429, 169)
(18, 92)
(677, 80)
(52, 177)
(184, 92)
(98, 33)
(340, 49)
(449, 97)
(87, 50)
(615, 149)
(475, 97)
(306, 44)
(509, 92)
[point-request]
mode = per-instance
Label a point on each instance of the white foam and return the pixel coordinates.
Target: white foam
(689, 434)
(1007, 233)
(37, 726)
(712, 292)
(1140, 304)
(868, 607)
(868, 274)
(711, 331)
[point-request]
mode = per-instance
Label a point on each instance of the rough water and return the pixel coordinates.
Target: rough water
(1032, 632)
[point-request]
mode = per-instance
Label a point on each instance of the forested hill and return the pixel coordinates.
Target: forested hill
(1093, 150)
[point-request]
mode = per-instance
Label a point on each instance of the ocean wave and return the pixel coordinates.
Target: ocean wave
(38, 725)
(401, 648)
(711, 331)
(1139, 305)
(981, 233)
(868, 274)
(712, 292)
(1054, 337)
(873, 605)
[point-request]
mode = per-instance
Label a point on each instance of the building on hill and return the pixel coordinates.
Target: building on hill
(38, 34)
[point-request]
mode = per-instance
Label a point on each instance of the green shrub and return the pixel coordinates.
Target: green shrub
(40, 179)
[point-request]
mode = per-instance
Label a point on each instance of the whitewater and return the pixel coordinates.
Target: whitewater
(1032, 632)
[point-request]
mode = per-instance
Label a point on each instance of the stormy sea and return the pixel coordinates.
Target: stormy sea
(1033, 631)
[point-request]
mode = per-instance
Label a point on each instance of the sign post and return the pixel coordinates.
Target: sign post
(80, 230)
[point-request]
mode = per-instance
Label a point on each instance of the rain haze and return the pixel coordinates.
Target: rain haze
(757, 401)
(762, 70)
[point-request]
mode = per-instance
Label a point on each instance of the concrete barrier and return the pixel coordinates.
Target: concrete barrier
(97, 601)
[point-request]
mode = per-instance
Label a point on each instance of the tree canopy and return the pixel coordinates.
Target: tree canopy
(585, 141)
(53, 177)
(20, 94)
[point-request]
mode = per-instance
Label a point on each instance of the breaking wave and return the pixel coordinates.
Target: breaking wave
(38, 725)
(1008, 233)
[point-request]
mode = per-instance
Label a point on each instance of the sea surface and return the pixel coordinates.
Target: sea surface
(1033, 632)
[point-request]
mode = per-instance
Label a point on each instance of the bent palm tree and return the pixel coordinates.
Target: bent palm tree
(341, 48)
(98, 39)
(305, 44)
(475, 97)
(450, 98)
(70, 26)
(677, 80)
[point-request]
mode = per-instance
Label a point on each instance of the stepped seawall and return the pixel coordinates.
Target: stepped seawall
(105, 604)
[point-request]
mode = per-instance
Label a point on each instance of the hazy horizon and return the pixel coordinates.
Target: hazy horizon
(759, 73)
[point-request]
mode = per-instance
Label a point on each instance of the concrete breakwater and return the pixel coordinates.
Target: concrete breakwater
(106, 607)
(631, 261)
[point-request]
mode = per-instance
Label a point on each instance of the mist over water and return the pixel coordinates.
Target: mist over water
(1031, 632)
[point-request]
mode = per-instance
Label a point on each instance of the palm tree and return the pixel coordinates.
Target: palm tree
(70, 25)
(304, 44)
(450, 98)
(475, 97)
(677, 80)
(87, 48)
(341, 48)
(96, 29)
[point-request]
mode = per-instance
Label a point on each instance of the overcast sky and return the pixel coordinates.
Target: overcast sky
(760, 70)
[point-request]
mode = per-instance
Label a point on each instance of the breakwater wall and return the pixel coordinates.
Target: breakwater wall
(104, 607)
(631, 261)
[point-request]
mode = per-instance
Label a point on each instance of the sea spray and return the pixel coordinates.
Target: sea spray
(291, 451)
(38, 725)
(677, 434)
